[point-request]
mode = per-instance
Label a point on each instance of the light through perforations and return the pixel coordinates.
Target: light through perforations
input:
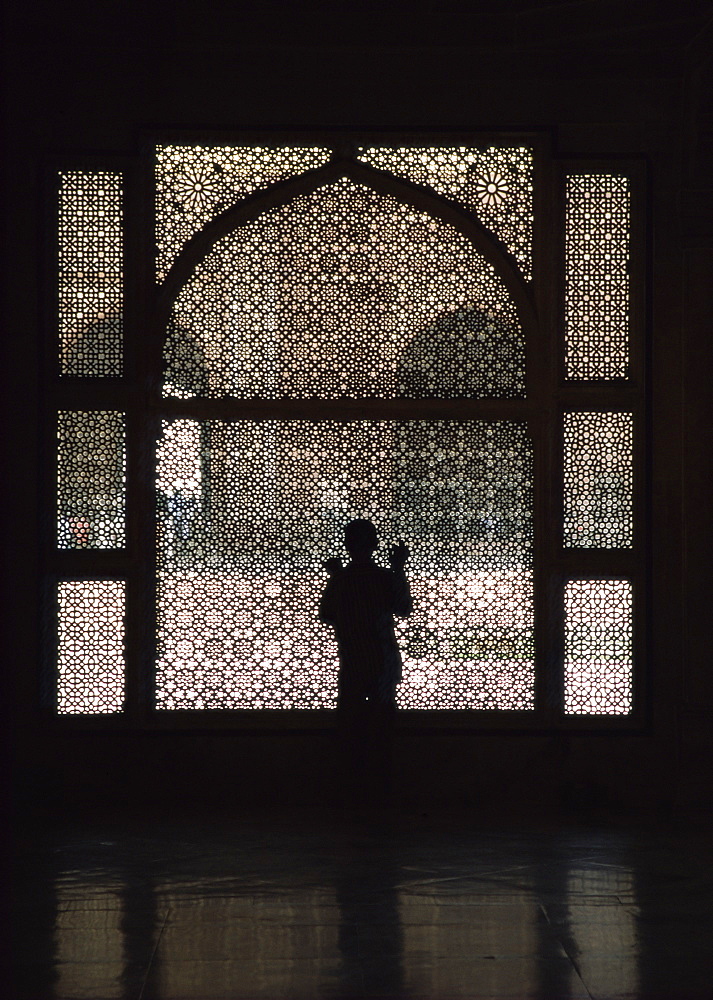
(597, 236)
(90, 656)
(90, 274)
(248, 510)
(492, 188)
(91, 491)
(598, 647)
(598, 480)
(495, 184)
(345, 293)
(194, 184)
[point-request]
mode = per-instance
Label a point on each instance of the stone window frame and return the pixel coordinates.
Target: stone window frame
(550, 395)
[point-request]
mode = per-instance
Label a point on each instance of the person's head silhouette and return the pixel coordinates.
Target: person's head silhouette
(360, 538)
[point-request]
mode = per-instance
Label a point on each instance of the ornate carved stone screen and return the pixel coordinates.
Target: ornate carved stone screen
(598, 647)
(90, 661)
(91, 265)
(494, 184)
(91, 480)
(598, 445)
(598, 480)
(250, 509)
(345, 293)
(337, 333)
(597, 237)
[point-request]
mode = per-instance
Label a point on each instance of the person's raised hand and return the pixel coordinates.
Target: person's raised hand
(398, 554)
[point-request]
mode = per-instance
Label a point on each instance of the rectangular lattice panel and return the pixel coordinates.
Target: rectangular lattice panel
(90, 654)
(598, 647)
(91, 480)
(597, 237)
(91, 248)
(598, 480)
(249, 510)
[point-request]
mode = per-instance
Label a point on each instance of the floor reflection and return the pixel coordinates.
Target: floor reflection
(105, 925)
(296, 907)
(255, 944)
(594, 918)
(601, 923)
(89, 942)
(371, 938)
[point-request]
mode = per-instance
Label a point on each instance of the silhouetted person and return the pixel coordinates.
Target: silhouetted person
(360, 601)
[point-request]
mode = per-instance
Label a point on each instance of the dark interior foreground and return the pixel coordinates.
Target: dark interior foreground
(294, 904)
(565, 862)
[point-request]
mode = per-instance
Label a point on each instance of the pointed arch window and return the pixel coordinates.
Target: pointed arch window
(346, 334)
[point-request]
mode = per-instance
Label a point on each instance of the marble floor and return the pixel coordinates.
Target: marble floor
(331, 904)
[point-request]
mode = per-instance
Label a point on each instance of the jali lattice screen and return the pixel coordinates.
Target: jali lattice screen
(345, 293)
(194, 184)
(90, 654)
(597, 237)
(248, 510)
(598, 647)
(91, 491)
(598, 480)
(90, 273)
(495, 184)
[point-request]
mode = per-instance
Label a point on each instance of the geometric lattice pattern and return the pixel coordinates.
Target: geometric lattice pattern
(345, 293)
(598, 480)
(597, 236)
(249, 510)
(91, 480)
(598, 647)
(493, 184)
(194, 184)
(90, 273)
(90, 677)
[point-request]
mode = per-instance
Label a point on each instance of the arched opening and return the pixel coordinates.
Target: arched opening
(371, 332)
(345, 292)
(362, 311)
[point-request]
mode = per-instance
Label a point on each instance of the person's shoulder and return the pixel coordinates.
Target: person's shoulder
(367, 569)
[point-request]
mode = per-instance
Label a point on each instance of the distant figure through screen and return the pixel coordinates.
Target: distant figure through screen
(360, 601)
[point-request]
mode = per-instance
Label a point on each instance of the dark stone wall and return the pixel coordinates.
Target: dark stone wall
(600, 79)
